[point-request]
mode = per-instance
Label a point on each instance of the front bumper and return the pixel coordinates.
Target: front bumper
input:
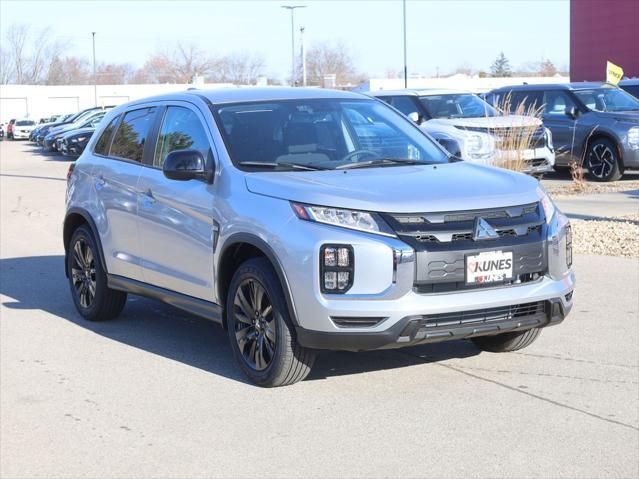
(421, 329)
(19, 135)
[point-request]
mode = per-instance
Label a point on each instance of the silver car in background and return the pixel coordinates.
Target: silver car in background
(305, 219)
(474, 130)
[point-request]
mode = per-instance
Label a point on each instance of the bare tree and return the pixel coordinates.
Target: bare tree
(328, 58)
(114, 73)
(547, 68)
(179, 65)
(28, 56)
(69, 71)
(6, 66)
(241, 68)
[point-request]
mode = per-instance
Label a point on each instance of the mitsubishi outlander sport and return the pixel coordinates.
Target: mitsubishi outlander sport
(306, 219)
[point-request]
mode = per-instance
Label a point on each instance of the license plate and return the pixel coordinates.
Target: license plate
(489, 267)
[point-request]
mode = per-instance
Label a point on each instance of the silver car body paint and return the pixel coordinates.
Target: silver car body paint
(172, 234)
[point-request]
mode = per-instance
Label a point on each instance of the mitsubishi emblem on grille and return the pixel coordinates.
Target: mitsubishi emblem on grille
(483, 230)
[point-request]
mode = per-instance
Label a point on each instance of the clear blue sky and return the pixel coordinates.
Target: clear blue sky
(444, 34)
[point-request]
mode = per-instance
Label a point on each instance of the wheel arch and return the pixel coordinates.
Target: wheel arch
(238, 248)
(75, 218)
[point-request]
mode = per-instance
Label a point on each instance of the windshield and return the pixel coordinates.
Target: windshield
(25, 123)
(322, 134)
(607, 99)
(462, 105)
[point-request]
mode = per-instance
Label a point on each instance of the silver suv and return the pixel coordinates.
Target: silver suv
(309, 219)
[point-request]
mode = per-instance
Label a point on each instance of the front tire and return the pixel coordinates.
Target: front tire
(93, 299)
(603, 162)
(260, 330)
(507, 342)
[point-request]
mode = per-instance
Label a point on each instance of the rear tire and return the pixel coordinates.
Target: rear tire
(507, 342)
(94, 300)
(260, 329)
(603, 162)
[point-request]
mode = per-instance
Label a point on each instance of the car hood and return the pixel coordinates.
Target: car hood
(509, 121)
(402, 189)
(632, 116)
(79, 131)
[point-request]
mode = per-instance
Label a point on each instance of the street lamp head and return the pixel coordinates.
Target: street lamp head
(293, 7)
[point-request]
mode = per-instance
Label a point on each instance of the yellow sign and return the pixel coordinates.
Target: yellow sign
(614, 73)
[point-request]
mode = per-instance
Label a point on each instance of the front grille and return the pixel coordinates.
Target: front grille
(477, 322)
(513, 136)
(442, 240)
(503, 313)
(446, 227)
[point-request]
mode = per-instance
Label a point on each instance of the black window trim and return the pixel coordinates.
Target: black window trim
(157, 126)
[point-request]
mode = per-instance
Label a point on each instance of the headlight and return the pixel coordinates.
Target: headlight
(546, 203)
(78, 139)
(633, 137)
(480, 146)
(351, 219)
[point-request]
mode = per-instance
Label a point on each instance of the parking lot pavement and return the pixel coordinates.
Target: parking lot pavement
(155, 393)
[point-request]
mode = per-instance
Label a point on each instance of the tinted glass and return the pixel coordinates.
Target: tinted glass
(608, 99)
(25, 123)
(405, 104)
(632, 89)
(556, 102)
(321, 134)
(181, 130)
(513, 101)
(464, 105)
(129, 139)
(102, 145)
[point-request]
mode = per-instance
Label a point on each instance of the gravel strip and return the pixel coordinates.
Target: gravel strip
(586, 188)
(618, 237)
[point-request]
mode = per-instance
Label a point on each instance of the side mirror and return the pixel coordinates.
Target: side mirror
(451, 146)
(414, 116)
(185, 165)
(572, 112)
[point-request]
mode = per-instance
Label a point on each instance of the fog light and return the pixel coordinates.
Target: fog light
(343, 278)
(330, 280)
(336, 268)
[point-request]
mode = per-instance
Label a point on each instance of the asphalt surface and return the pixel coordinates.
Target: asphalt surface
(155, 393)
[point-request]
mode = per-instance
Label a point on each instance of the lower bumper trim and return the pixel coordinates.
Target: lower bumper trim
(413, 330)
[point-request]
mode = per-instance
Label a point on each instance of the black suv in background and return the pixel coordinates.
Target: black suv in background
(631, 85)
(594, 124)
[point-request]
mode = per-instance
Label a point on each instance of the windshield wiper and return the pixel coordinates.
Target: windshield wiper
(264, 164)
(380, 162)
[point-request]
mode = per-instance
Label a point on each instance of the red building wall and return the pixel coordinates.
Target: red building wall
(602, 30)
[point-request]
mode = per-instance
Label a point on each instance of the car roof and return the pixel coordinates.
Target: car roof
(630, 81)
(219, 96)
(554, 86)
(418, 92)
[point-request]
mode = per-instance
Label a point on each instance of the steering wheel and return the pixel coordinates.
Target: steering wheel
(350, 155)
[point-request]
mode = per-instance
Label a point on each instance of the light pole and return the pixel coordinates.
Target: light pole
(95, 79)
(405, 66)
(302, 29)
(292, 9)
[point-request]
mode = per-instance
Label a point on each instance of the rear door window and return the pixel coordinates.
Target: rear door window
(405, 104)
(130, 138)
(102, 145)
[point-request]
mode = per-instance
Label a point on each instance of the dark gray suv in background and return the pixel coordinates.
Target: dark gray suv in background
(596, 124)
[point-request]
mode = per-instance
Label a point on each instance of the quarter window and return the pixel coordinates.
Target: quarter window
(181, 130)
(102, 145)
(131, 135)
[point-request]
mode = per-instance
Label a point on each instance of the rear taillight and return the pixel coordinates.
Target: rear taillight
(70, 171)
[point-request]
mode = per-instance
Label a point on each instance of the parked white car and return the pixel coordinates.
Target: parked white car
(22, 129)
(472, 129)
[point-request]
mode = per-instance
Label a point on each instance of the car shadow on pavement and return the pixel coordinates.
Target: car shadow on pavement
(38, 283)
